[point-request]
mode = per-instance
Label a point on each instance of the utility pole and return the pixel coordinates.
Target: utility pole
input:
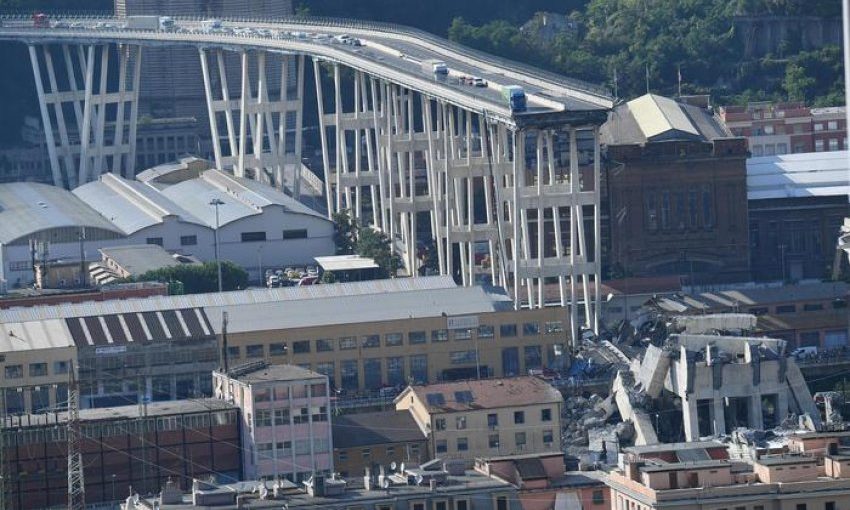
(76, 483)
(215, 203)
(224, 362)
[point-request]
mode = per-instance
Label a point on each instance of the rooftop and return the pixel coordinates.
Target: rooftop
(780, 460)
(242, 198)
(676, 466)
(654, 118)
(485, 394)
(345, 262)
(261, 371)
(131, 205)
(169, 408)
(139, 258)
(229, 299)
(35, 335)
(28, 207)
(815, 174)
(365, 429)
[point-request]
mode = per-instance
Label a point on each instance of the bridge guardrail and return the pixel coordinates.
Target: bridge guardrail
(347, 23)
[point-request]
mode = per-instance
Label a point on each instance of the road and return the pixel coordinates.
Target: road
(393, 54)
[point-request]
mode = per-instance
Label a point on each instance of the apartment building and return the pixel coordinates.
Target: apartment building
(787, 128)
(476, 418)
(375, 440)
(685, 476)
(286, 429)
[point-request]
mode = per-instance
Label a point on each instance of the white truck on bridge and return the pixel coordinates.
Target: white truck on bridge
(142, 23)
(435, 66)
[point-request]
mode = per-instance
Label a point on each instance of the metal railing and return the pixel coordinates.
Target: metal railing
(417, 35)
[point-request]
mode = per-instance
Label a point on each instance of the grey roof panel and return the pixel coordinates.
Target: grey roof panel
(27, 207)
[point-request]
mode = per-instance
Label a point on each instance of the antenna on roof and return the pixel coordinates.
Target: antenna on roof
(225, 364)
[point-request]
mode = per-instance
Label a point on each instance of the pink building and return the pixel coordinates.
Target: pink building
(286, 428)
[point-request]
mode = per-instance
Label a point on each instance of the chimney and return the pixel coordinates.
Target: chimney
(381, 476)
(432, 484)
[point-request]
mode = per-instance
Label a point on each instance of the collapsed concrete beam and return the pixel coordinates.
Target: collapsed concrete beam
(644, 432)
(802, 395)
(653, 370)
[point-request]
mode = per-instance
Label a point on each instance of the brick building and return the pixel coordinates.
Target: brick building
(122, 447)
(372, 440)
(787, 128)
(676, 192)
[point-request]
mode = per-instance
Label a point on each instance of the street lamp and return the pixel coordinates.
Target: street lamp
(215, 203)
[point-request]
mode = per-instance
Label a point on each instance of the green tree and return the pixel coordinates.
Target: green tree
(376, 245)
(328, 277)
(345, 232)
(199, 278)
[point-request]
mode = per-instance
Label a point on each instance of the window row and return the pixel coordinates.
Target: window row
(35, 370)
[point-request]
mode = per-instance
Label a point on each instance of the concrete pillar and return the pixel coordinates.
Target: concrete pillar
(690, 418)
(756, 418)
(781, 406)
(719, 416)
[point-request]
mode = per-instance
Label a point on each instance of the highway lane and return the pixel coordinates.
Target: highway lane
(391, 56)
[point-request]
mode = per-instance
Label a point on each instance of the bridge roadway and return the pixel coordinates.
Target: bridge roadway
(390, 53)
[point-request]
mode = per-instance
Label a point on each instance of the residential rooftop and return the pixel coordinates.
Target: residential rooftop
(485, 394)
(366, 429)
(261, 372)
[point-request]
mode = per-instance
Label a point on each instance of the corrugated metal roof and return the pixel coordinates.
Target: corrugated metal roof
(35, 335)
(240, 297)
(138, 259)
(798, 175)
(130, 205)
(353, 309)
(657, 114)
(28, 207)
(242, 198)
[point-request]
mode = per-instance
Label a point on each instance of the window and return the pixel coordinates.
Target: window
(254, 351)
(439, 335)
(519, 417)
(492, 421)
(442, 446)
(303, 416)
(441, 505)
(493, 440)
(801, 506)
(319, 414)
(818, 145)
(417, 337)
(812, 307)
(417, 506)
(462, 334)
(786, 309)
(485, 331)
(462, 357)
(60, 367)
(460, 422)
(829, 505)
(462, 444)
(370, 341)
(507, 330)
(154, 240)
(651, 212)
(249, 237)
(262, 395)
(347, 342)
(38, 369)
(832, 125)
(693, 216)
(300, 233)
(233, 351)
(833, 144)
(598, 497)
(553, 327)
(818, 126)
(324, 345)
(342, 456)
(665, 210)
(263, 418)
(768, 129)
(440, 424)
(281, 417)
(547, 436)
(318, 390)
(277, 349)
(707, 209)
(395, 371)
(14, 372)
(301, 347)
(394, 339)
(519, 438)
(188, 240)
(501, 503)
(419, 368)
(533, 355)
(530, 328)
(545, 415)
(349, 374)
